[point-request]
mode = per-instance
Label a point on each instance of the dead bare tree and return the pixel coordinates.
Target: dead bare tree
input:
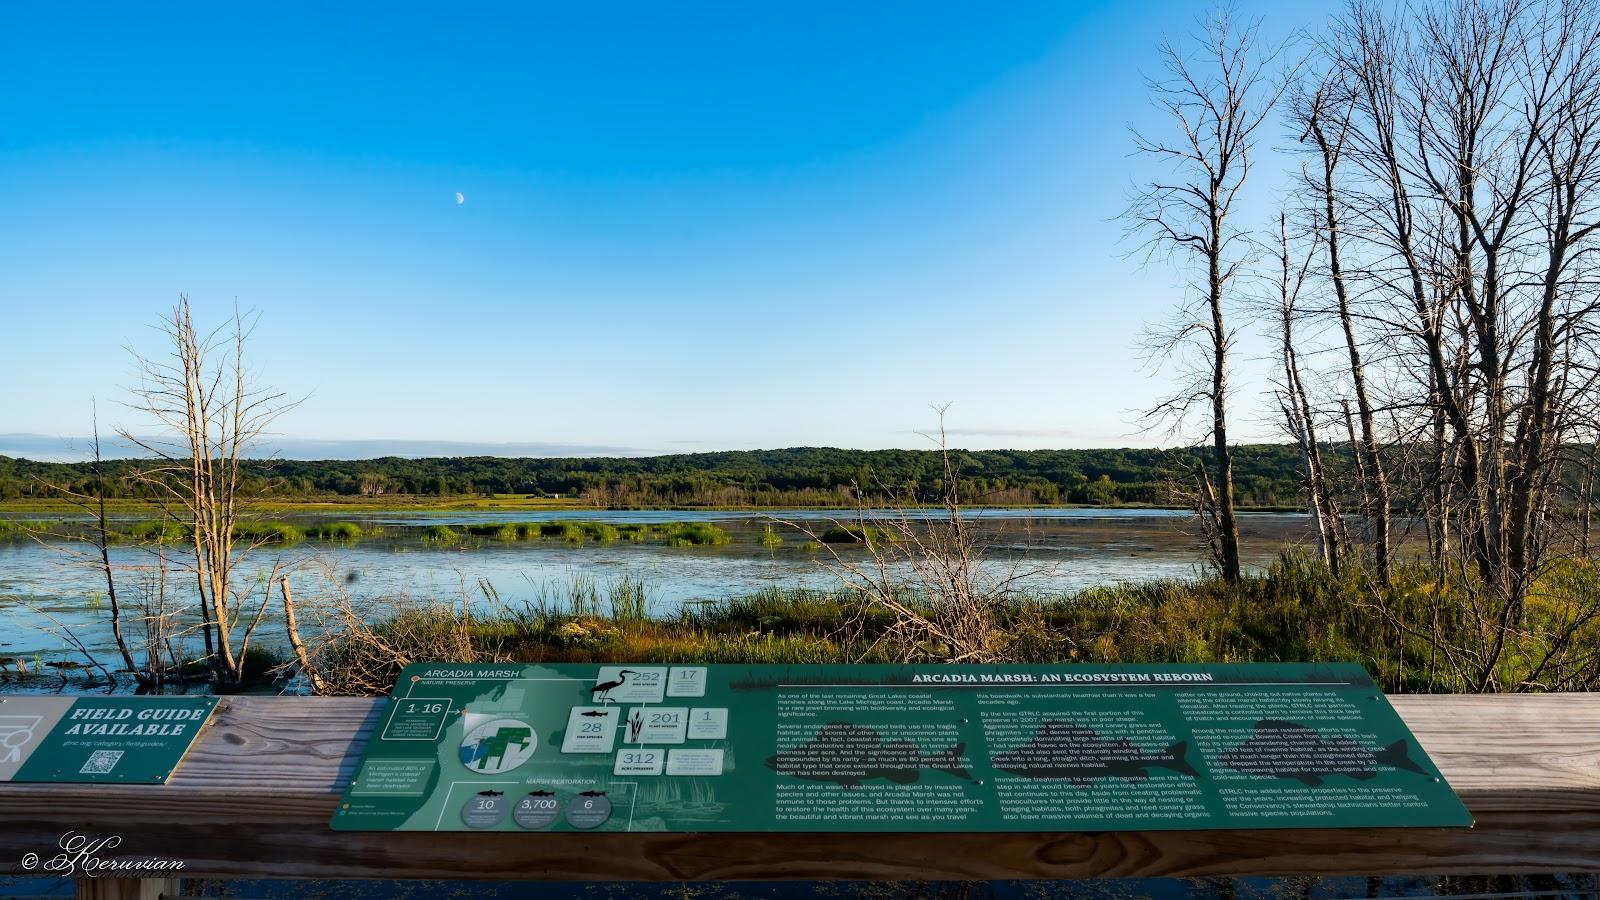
(1217, 99)
(1460, 148)
(210, 415)
(1320, 116)
(1298, 415)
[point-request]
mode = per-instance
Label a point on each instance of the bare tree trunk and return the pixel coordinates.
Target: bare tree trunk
(1222, 453)
(298, 646)
(1298, 414)
(102, 541)
(1587, 516)
(1439, 521)
(1374, 483)
(1217, 109)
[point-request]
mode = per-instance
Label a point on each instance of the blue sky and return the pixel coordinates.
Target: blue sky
(685, 227)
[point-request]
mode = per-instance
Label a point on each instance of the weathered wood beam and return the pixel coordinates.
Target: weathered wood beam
(256, 792)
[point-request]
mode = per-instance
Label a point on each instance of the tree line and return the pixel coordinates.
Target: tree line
(1268, 477)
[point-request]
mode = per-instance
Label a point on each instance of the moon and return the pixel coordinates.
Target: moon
(460, 198)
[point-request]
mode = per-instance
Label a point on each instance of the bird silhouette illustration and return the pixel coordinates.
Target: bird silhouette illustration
(603, 689)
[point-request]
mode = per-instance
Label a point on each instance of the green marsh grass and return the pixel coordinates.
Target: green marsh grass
(336, 531)
(440, 534)
(268, 532)
(161, 531)
(1294, 611)
(692, 534)
(16, 528)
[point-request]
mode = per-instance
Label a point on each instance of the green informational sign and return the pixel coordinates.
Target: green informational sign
(891, 748)
(116, 740)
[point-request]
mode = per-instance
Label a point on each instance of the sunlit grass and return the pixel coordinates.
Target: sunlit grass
(1295, 611)
(440, 534)
(336, 531)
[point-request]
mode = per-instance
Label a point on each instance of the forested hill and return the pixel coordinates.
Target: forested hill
(1265, 474)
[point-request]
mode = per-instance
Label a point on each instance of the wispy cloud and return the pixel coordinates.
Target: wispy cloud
(69, 449)
(1013, 432)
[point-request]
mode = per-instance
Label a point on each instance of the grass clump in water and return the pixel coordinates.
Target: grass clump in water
(693, 534)
(160, 531)
(440, 534)
(770, 538)
(336, 531)
(498, 531)
(572, 532)
(268, 532)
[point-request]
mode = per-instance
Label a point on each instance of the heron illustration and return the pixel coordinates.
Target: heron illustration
(604, 688)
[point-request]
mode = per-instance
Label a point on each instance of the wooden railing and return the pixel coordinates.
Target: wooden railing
(254, 797)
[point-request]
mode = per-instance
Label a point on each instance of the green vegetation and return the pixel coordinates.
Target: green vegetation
(690, 534)
(440, 534)
(158, 531)
(1295, 611)
(1266, 475)
(11, 528)
(498, 532)
(170, 531)
(268, 532)
(676, 534)
(336, 531)
(574, 532)
(770, 538)
(856, 534)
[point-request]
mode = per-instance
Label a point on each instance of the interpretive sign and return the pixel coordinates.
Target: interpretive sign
(569, 747)
(116, 740)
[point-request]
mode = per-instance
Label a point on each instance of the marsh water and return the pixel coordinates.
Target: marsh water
(1059, 551)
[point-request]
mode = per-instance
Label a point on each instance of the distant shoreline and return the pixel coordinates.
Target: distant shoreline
(415, 502)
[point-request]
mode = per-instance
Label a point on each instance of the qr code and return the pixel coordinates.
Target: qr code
(101, 762)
